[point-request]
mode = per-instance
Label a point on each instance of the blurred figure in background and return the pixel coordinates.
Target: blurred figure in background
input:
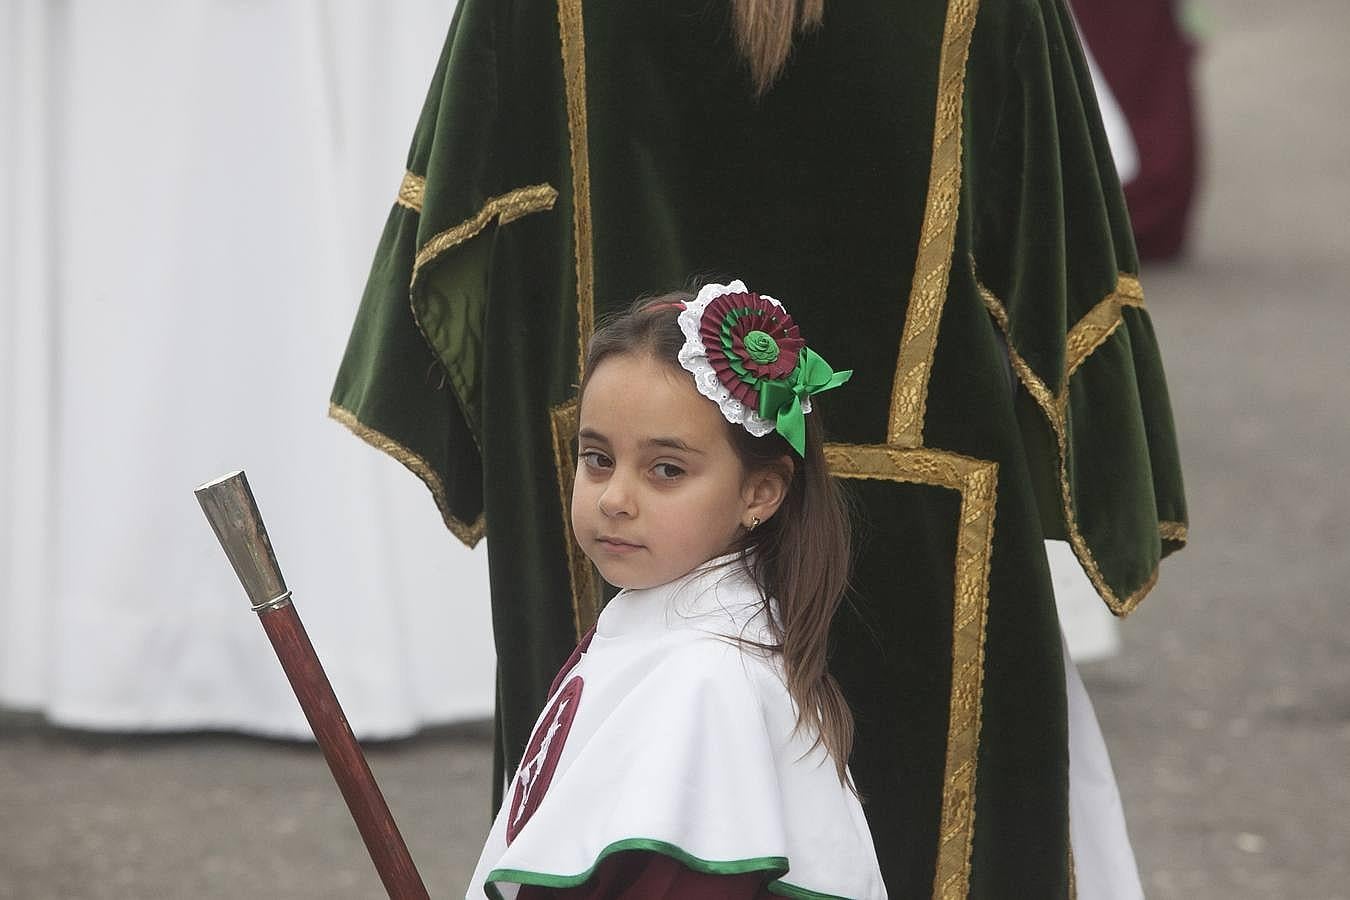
(1146, 56)
(185, 225)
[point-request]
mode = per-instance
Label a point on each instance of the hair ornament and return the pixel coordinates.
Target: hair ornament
(747, 356)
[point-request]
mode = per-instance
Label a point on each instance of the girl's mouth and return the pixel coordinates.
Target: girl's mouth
(617, 545)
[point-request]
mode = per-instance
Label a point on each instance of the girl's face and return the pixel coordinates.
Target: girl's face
(659, 488)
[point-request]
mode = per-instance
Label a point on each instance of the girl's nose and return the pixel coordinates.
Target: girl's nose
(617, 497)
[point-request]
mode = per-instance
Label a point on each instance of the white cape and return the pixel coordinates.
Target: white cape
(667, 736)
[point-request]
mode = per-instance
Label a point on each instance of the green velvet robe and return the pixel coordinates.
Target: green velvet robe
(929, 190)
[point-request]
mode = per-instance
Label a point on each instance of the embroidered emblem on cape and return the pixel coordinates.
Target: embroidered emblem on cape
(541, 757)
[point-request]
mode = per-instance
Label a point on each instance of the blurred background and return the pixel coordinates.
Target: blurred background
(190, 195)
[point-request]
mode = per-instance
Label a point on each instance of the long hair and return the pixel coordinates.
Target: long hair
(764, 30)
(799, 557)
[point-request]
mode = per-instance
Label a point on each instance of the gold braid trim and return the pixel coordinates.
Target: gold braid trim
(572, 31)
(504, 208)
(1176, 532)
(977, 482)
(1091, 332)
(979, 479)
(932, 266)
(585, 586)
(572, 36)
(903, 458)
(411, 190)
(469, 534)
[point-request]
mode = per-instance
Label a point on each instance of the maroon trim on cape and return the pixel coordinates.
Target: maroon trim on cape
(646, 875)
(541, 757)
(571, 661)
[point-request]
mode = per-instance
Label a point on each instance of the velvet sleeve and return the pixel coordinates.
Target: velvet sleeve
(1057, 267)
(392, 388)
(643, 875)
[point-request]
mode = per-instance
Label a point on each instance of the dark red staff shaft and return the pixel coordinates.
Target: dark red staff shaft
(345, 759)
(233, 513)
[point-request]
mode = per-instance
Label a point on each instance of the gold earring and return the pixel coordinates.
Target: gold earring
(754, 522)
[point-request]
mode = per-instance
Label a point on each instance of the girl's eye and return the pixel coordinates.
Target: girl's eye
(594, 459)
(667, 471)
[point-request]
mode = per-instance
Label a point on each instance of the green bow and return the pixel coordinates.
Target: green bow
(781, 400)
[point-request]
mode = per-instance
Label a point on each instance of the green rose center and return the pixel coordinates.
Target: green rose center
(761, 347)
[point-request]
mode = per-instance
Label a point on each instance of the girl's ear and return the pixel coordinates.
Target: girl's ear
(765, 490)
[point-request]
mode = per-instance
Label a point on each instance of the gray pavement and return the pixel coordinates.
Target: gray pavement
(1227, 714)
(219, 816)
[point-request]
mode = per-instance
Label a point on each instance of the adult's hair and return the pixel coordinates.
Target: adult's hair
(799, 557)
(764, 31)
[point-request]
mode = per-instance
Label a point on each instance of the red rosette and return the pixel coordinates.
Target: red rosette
(751, 312)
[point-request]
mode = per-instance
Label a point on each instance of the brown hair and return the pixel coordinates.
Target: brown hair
(799, 557)
(764, 30)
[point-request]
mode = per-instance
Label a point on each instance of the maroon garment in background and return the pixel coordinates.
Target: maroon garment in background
(643, 875)
(1146, 60)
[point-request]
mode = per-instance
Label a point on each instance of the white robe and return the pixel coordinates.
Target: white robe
(197, 191)
(1104, 866)
(674, 738)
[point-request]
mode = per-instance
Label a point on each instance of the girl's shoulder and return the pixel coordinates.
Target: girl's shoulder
(682, 738)
(728, 669)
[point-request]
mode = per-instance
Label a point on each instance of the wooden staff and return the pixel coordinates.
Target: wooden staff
(230, 507)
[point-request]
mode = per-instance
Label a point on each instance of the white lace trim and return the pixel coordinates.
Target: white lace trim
(694, 358)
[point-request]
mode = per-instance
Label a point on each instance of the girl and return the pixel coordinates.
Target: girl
(695, 744)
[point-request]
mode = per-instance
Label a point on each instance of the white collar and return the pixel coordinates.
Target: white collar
(718, 597)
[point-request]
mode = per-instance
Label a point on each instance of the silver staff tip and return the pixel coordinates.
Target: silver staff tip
(233, 513)
(228, 476)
